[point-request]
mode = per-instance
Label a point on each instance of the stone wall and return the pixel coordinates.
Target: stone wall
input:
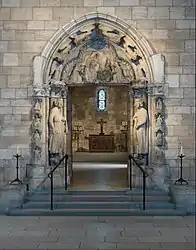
(27, 25)
(85, 112)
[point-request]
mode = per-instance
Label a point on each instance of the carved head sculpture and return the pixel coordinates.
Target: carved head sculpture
(139, 103)
(57, 103)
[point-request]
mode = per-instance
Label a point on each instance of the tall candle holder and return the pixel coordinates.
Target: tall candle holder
(181, 179)
(16, 180)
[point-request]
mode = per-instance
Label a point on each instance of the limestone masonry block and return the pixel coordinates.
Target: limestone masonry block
(175, 92)
(164, 3)
(93, 3)
(21, 110)
(166, 24)
(8, 34)
(5, 103)
(129, 3)
(33, 46)
(14, 81)
(123, 12)
(139, 12)
(10, 3)
(3, 46)
(51, 25)
(29, 3)
(21, 93)
(190, 13)
(35, 25)
(172, 58)
(172, 80)
(185, 24)
(173, 70)
(182, 110)
(46, 3)
(174, 120)
(146, 24)
(159, 34)
(182, 2)
(172, 102)
(158, 13)
(188, 69)
(174, 45)
(111, 2)
(10, 59)
(178, 34)
(14, 46)
(63, 14)
(147, 2)
(78, 12)
(72, 3)
(187, 81)
(4, 14)
(3, 81)
(106, 10)
(21, 103)
(188, 93)
(8, 93)
(44, 35)
(15, 25)
(42, 14)
(190, 46)
(187, 59)
(21, 14)
(177, 13)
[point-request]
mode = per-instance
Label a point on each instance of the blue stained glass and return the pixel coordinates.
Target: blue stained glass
(101, 100)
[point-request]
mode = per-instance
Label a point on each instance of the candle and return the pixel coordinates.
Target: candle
(181, 150)
(17, 150)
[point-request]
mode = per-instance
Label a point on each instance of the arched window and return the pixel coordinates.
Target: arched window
(101, 100)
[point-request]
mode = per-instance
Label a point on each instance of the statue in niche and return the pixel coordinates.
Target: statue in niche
(37, 138)
(37, 106)
(159, 139)
(91, 71)
(58, 127)
(117, 73)
(159, 104)
(159, 123)
(37, 123)
(56, 69)
(140, 125)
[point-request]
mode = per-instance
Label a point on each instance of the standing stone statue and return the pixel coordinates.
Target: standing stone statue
(140, 125)
(57, 143)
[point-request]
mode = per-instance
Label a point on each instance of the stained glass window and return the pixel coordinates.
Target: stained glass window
(101, 100)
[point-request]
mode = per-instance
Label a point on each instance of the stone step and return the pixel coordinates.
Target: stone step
(95, 212)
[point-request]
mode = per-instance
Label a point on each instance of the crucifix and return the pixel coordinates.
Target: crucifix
(101, 122)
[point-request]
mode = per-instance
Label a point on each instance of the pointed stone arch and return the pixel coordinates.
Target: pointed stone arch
(113, 30)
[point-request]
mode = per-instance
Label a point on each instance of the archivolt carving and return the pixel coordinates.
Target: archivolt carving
(97, 54)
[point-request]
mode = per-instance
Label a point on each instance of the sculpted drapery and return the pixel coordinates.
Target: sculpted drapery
(140, 125)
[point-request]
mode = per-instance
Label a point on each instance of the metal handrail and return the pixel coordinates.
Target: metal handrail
(144, 173)
(50, 175)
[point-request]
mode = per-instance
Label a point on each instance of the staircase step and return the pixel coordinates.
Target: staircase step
(94, 212)
(57, 198)
(92, 205)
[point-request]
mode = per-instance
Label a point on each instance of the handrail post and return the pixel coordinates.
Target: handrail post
(65, 167)
(130, 173)
(144, 191)
(51, 191)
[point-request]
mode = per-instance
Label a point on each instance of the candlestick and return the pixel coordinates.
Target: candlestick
(181, 150)
(181, 179)
(17, 180)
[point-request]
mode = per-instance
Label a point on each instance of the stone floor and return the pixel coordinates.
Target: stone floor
(89, 233)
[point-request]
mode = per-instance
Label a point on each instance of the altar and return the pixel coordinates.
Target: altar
(101, 143)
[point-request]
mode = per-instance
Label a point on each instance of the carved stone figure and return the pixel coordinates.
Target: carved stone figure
(57, 141)
(159, 139)
(56, 69)
(37, 106)
(159, 104)
(140, 124)
(37, 123)
(159, 123)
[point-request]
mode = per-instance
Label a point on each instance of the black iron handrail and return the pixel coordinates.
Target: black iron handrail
(50, 175)
(144, 173)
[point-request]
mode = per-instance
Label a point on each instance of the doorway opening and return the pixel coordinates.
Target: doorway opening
(99, 121)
